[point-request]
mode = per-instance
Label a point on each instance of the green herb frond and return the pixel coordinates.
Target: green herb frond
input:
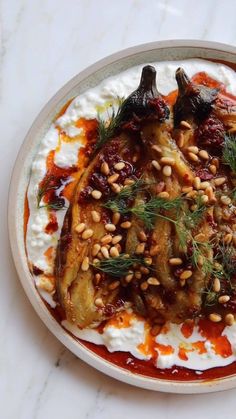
(229, 152)
(119, 266)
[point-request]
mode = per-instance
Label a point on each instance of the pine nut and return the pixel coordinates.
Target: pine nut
(154, 250)
(96, 194)
(144, 270)
(168, 160)
(129, 277)
(80, 228)
(140, 248)
(200, 260)
(229, 319)
(148, 261)
(185, 125)
(119, 166)
(105, 168)
(193, 149)
(200, 237)
(175, 261)
(98, 302)
(115, 187)
(106, 239)
(85, 264)
(114, 285)
(167, 171)
(96, 248)
(110, 227)
(228, 238)
(216, 285)
(197, 182)
(186, 189)
(114, 252)
(105, 252)
(113, 178)
(181, 140)
(138, 275)
(204, 185)
(204, 199)
(215, 318)
(96, 262)
(156, 165)
(87, 234)
(116, 239)
(144, 286)
(219, 181)
(186, 274)
(153, 281)
(182, 282)
(98, 277)
(225, 200)
(210, 194)
(128, 182)
(191, 194)
(118, 246)
(142, 236)
(116, 218)
(96, 217)
(216, 162)
(164, 195)
(193, 157)
(157, 148)
(126, 224)
(213, 169)
(223, 299)
(203, 154)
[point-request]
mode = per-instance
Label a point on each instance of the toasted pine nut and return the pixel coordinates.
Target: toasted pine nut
(200, 237)
(204, 199)
(96, 216)
(157, 148)
(167, 171)
(210, 194)
(96, 194)
(185, 125)
(193, 157)
(204, 185)
(118, 246)
(154, 250)
(115, 187)
(114, 285)
(80, 228)
(153, 281)
(129, 277)
(128, 182)
(98, 302)
(200, 260)
(225, 200)
(142, 236)
(175, 261)
(138, 274)
(229, 319)
(119, 166)
(223, 299)
(126, 224)
(148, 261)
(186, 274)
(219, 181)
(164, 195)
(156, 165)
(106, 239)
(193, 149)
(116, 239)
(140, 248)
(113, 178)
(114, 252)
(105, 252)
(182, 282)
(98, 276)
(197, 182)
(96, 248)
(144, 270)
(186, 189)
(168, 160)
(203, 154)
(216, 162)
(213, 169)
(85, 264)
(215, 318)
(110, 227)
(228, 238)
(216, 285)
(105, 168)
(144, 286)
(87, 234)
(180, 140)
(116, 218)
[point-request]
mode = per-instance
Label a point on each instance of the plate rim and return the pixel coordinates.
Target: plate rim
(94, 360)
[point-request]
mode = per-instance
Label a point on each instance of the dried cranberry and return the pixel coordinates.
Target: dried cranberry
(99, 181)
(211, 133)
(204, 174)
(85, 194)
(37, 271)
(158, 105)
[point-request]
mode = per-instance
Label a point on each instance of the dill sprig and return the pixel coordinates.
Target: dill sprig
(118, 266)
(192, 218)
(107, 128)
(49, 185)
(229, 152)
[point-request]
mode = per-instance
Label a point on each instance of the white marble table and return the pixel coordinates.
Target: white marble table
(42, 45)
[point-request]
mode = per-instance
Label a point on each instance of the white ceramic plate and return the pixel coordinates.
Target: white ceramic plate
(112, 65)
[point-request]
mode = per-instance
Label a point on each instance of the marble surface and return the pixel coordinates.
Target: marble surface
(43, 43)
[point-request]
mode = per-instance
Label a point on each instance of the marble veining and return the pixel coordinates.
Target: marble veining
(42, 45)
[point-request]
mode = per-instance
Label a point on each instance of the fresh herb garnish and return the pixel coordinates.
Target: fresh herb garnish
(229, 152)
(107, 128)
(50, 184)
(118, 266)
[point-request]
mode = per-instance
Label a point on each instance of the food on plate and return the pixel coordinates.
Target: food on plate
(130, 218)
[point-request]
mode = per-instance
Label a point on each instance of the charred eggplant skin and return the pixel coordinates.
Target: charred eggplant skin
(145, 102)
(193, 101)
